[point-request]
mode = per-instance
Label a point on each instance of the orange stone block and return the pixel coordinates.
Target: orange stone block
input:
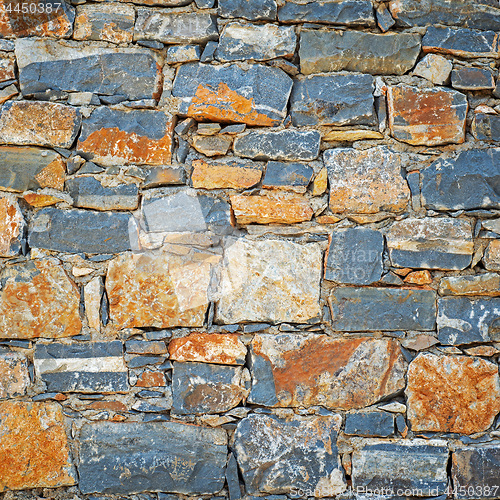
(11, 227)
(419, 278)
(151, 379)
(225, 175)
(41, 200)
(34, 450)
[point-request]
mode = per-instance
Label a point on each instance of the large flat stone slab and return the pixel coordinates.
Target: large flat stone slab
(254, 10)
(290, 370)
(125, 458)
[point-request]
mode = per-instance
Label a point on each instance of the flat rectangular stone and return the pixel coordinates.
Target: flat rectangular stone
(12, 227)
(183, 53)
(472, 79)
(269, 281)
(486, 127)
(461, 42)
(372, 309)
(427, 117)
(415, 464)
(366, 181)
(254, 10)
(333, 100)
(290, 176)
(14, 375)
(114, 137)
(342, 13)
(39, 124)
(469, 180)
(165, 175)
(81, 231)
(34, 448)
(431, 243)
(259, 42)
(146, 347)
(286, 145)
(125, 458)
(324, 51)
(307, 370)
(226, 174)
(371, 423)
(255, 96)
(90, 367)
(462, 320)
(306, 447)
(131, 73)
(480, 284)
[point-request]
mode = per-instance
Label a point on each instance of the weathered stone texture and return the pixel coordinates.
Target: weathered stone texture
(305, 447)
(291, 370)
(481, 284)
(232, 174)
(38, 300)
(434, 68)
(254, 10)
(124, 458)
(472, 79)
(291, 176)
(486, 127)
(12, 227)
(14, 376)
(429, 117)
(269, 281)
(371, 423)
(324, 51)
(452, 393)
(366, 181)
(34, 451)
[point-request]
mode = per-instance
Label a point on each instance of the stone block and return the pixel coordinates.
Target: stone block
(14, 376)
(472, 79)
(226, 174)
(12, 227)
(481, 284)
(288, 176)
(254, 10)
(486, 127)
(435, 68)
(371, 423)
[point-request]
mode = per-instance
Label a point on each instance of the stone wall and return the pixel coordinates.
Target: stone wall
(249, 249)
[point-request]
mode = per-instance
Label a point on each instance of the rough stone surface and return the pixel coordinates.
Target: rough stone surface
(12, 227)
(175, 457)
(255, 96)
(452, 393)
(214, 145)
(435, 68)
(324, 51)
(371, 309)
(486, 127)
(472, 79)
(269, 281)
(114, 137)
(289, 176)
(414, 464)
(285, 145)
(38, 300)
(254, 10)
(333, 100)
(462, 320)
(259, 42)
(366, 181)
(466, 181)
(34, 451)
(14, 376)
(482, 284)
(266, 446)
(219, 348)
(355, 256)
(437, 243)
(183, 53)
(232, 174)
(290, 370)
(351, 135)
(429, 117)
(373, 423)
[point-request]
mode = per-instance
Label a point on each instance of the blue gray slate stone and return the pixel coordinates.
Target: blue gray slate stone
(286, 145)
(342, 13)
(417, 464)
(472, 79)
(370, 423)
(385, 21)
(232, 478)
(355, 256)
(333, 100)
(372, 309)
(467, 181)
(80, 231)
(462, 320)
(287, 175)
(125, 458)
(85, 367)
(486, 127)
(254, 10)
(388, 54)
(183, 53)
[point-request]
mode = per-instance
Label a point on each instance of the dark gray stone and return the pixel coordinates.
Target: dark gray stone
(472, 79)
(391, 53)
(287, 175)
(417, 464)
(183, 53)
(355, 256)
(202, 388)
(156, 405)
(384, 19)
(80, 231)
(48, 64)
(164, 176)
(462, 320)
(372, 423)
(175, 27)
(204, 4)
(285, 145)
(401, 424)
(343, 13)
(460, 42)
(85, 367)
(142, 361)
(115, 25)
(467, 181)
(233, 482)
(88, 192)
(208, 53)
(371, 309)
(486, 127)
(333, 100)
(124, 458)
(254, 10)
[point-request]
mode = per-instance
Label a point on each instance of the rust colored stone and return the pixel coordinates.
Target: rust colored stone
(38, 300)
(481, 284)
(107, 405)
(11, 227)
(402, 272)
(53, 175)
(428, 117)
(271, 209)
(151, 379)
(419, 278)
(320, 183)
(491, 257)
(7, 71)
(328, 219)
(420, 342)
(41, 200)
(452, 394)
(34, 450)
(60, 397)
(14, 377)
(220, 348)
(482, 350)
(225, 175)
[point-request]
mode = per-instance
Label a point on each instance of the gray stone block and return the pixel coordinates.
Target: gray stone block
(486, 127)
(254, 10)
(472, 79)
(372, 423)
(287, 175)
